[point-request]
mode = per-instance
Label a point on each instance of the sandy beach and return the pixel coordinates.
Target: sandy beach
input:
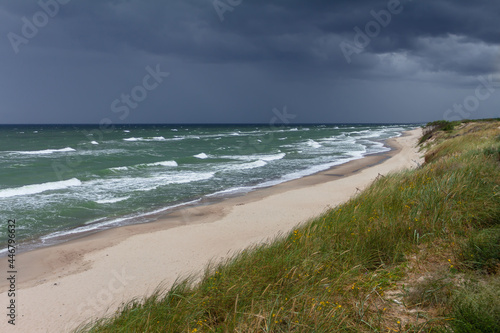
(59, 287)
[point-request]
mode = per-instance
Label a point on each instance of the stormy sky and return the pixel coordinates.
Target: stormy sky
(244, 61)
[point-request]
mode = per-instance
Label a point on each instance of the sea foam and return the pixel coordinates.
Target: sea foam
(313, 144)
(201, 156)
(164, 163)
(45, 151)
(267, 158)
(138, 166)
(156, 138)
(243, 166)
(39, 188)
(111, 200)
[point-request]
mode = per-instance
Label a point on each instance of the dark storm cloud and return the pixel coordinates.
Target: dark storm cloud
(261, 52)
(296, 31)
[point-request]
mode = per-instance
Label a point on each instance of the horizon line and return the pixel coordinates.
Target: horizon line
(213, 124)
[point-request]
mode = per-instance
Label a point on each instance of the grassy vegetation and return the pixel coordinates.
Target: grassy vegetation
(448, 126)
(418, 251)
(477, 307)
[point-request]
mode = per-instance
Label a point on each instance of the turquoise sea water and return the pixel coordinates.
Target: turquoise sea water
(64, 180)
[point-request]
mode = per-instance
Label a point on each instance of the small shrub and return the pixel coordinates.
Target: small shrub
(442, 125)
(433, 127)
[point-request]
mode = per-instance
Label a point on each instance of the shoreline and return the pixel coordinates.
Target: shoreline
(36, 243)
(83, 277)
(193, 213)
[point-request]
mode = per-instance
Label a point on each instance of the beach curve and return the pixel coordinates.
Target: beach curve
(67, 284)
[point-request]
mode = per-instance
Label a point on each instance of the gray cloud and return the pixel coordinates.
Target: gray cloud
(264, 54)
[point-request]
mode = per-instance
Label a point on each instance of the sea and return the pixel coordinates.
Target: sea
(60, 182)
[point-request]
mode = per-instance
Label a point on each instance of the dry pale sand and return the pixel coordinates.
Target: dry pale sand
(59, 287)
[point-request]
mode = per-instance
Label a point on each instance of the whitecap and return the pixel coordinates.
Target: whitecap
(39, 188)
(45, 151)
(252, 165)
(122, 168)
(164, 163)
(111, 200)
(243, 166)
(313, 144)
(272, 157)
(156, 138)
(266, 158)
(201, 156)
(102, 187)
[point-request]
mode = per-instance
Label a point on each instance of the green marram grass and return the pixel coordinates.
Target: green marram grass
(339, 272)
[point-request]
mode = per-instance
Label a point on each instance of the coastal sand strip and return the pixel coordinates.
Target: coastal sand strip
(59, 287)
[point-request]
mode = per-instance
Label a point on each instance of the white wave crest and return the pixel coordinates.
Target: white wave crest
(156, 138)
(313, 144)
(39, 188)
(243, 166)
(123, 168)
(164, 163)
(275, 157)
(252, 165)
(45, 151)
(267, 158)
(112, 200)
(201, 156)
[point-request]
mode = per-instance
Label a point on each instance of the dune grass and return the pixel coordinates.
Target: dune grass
(415, 252)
